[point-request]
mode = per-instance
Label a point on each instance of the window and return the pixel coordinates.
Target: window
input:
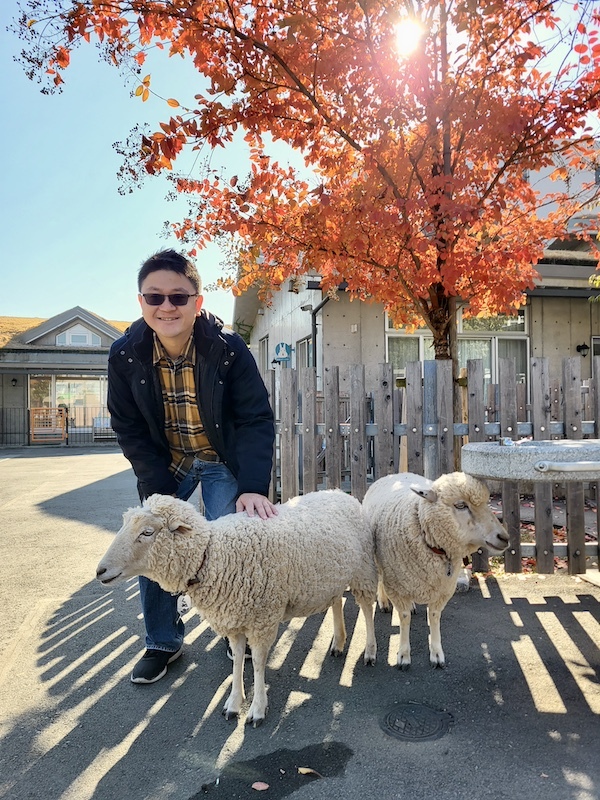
(84, 397)
(263, 355)
(78, 336)
(304, 354)
(487, 339)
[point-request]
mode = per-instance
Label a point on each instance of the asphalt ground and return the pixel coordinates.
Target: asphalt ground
(515, 714)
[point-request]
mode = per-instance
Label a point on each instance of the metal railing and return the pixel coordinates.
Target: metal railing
(80, 425)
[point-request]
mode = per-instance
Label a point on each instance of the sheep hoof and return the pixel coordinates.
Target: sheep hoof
(404, 666)
(462, 586)
(256, 723)
(229, 714)
(438, 664)
(370, 662)
(336, 652)
(385, 607)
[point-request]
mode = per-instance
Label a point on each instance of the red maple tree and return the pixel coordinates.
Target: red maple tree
(419, 166)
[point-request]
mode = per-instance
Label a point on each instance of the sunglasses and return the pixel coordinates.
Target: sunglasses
(154, 299)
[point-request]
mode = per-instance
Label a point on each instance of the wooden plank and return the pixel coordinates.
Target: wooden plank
(475, 400)
(414, 417)
(541, 415)
(476, 420)
(384, 418)
(571, 386)
(358, 434)
(431, 464)
(288, 441)
(511, 506)
(521, 402)
(399, 442)
(596, 418)
(333, 439)
(544, 528)
(541, 398)
(308, 394)
(445, 414)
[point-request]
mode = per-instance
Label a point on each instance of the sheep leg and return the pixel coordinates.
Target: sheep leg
(232, 707)
(339, 628)
(384, 602)
(436, 653)
(260, 650)
(404, 607)
(368, 610)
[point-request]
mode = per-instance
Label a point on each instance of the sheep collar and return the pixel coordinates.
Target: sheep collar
(195, 579)
(439, 551)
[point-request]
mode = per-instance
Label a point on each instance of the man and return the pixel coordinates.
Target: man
(188, 406)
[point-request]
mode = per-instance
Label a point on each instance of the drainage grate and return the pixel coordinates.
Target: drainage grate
(416, 723)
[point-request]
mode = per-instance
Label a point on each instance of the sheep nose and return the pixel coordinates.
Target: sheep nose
(100, 572)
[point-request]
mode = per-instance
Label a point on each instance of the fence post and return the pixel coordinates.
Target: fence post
(333, 454)
(445, 416)
(541, 411)
(414, 418)
(596, 415)
(288, 441)
(574, 491)
(358, 434)
(308, 394)
(384, 417)
(511, 510)
(431, 462)
(476, 416)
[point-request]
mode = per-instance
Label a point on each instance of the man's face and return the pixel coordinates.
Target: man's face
(172, 324)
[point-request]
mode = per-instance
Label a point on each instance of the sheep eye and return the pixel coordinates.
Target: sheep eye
(460, 506)
(147, 532)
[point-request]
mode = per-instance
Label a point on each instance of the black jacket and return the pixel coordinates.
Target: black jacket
(232, 398)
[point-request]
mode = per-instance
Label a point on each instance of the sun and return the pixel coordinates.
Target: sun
(408, 36)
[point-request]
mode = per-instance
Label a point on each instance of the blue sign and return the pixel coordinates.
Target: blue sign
(283, 352)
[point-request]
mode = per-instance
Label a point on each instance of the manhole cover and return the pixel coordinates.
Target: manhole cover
(416, 723)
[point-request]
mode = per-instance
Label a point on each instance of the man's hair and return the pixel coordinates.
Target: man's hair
(173, 261)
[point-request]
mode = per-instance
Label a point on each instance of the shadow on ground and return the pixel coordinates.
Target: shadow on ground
(521, 685)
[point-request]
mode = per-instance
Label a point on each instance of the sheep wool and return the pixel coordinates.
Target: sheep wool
(422, 531)
(246, 575)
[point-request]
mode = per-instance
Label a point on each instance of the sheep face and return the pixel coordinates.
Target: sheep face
(130, 553)
(463, 502)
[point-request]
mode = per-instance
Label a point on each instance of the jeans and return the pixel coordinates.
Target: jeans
(164, 627)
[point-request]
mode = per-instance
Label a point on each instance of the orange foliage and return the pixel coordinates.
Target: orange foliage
(417, 185)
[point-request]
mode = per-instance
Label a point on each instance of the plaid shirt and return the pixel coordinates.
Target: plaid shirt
(183, 427)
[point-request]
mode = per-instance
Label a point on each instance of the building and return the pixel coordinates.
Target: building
(58, 364)
(302, 328)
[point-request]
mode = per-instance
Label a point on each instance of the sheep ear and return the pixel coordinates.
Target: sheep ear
(178, 525)
(426, 494)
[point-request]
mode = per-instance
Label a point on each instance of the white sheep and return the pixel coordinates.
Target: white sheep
(246, 575)
(422, 531)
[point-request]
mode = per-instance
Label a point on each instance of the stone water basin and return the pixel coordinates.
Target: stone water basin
(557, 460)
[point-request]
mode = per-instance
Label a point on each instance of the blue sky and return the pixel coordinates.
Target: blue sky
(68, 237)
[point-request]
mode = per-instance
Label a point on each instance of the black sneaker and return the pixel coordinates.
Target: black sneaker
(152, 666)
(248, 653)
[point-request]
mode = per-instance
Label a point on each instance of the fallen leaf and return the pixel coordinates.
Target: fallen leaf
(309, 771)
(260, 786)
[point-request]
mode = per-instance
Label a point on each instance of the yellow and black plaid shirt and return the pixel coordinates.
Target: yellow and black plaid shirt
(183, 426)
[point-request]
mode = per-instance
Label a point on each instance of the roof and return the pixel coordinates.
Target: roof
(24, 330)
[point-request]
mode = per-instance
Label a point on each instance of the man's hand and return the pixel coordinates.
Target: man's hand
(256, 503)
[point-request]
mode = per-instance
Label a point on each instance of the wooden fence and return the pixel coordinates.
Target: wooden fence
(325, 440)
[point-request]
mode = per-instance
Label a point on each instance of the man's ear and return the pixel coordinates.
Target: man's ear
(199, 301)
